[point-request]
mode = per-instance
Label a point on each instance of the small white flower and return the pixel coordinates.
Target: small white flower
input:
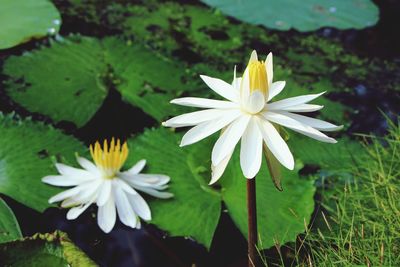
(111, 189)
(246, 114)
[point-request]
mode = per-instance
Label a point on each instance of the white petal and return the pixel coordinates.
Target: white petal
(206, 129)
(236, 84)
(106, 215)
(315, 123)
(74, 172)
(269, 68)
(275, 89)
(124, 186)
(245, 86)
(297, 126)
(221, 87)
(193, 118)
(293, 101)
(203, 103)
(218, 170)
(254, 103)
(124, 208)
(74, 212)
(69, 202)
(66, 194)
(276, 144)
(302, 108)
(253, 56)
(140, 206)
(138, 167)
(147, 180)
(62, 180)
(88, 192)
(104, 192)
(251, 150)
(87, 165)
(154, 193)
(228, 140)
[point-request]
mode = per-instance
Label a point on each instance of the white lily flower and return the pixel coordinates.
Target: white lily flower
(103, 183)
(247, 115)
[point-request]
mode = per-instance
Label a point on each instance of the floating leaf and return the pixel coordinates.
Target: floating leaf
(333, 157)
(26, 151)
(9, 228)
(55, 250)
(80, 69)
(195, 209)
(66, 83)
(305, 15)
(147, 80)
(281, 215)
(22, 20)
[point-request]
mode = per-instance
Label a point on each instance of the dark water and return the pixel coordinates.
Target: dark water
(151, 247)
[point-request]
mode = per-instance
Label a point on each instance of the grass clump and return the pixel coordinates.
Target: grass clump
(362, 218)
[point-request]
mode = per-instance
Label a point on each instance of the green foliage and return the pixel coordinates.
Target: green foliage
(27, 153)
(145, 79)
(195, 209)
(23, 20)
(82, 71)
(9, 228)
(202, 38)
(281, 215)
(65, 83)
(362, 225)
(306, 15)
(53, 249)
(342, 156)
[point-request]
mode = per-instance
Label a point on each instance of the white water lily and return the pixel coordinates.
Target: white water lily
(103, 183)
(247, 115)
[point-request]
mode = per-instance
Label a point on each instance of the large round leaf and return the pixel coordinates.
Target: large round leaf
(281, 215)
(26, 151)
(195, 209)
(307, 15)
(9, 228)
(147, 80)
(55, 250)
(68, 82)
(22, 20)
(63, 82)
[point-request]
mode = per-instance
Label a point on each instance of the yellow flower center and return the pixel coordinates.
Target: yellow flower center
(109, 159)
(258, 77)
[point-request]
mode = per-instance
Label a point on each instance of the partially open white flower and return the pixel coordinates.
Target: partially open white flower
(111, 189)
(246, 114)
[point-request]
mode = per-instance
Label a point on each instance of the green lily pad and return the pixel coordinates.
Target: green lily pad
(53, 249)
(195, 209)
(82, 70)
(23, 20)
(147, 80)
(9, 228)
(27, 149)
(66, 83)
(342, 156)
(306, 15)
(281, 214)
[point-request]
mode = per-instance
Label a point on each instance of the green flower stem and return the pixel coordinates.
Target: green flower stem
(252, 222)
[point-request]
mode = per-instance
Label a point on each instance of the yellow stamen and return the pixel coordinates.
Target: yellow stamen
(258, 76)
(109, 159)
